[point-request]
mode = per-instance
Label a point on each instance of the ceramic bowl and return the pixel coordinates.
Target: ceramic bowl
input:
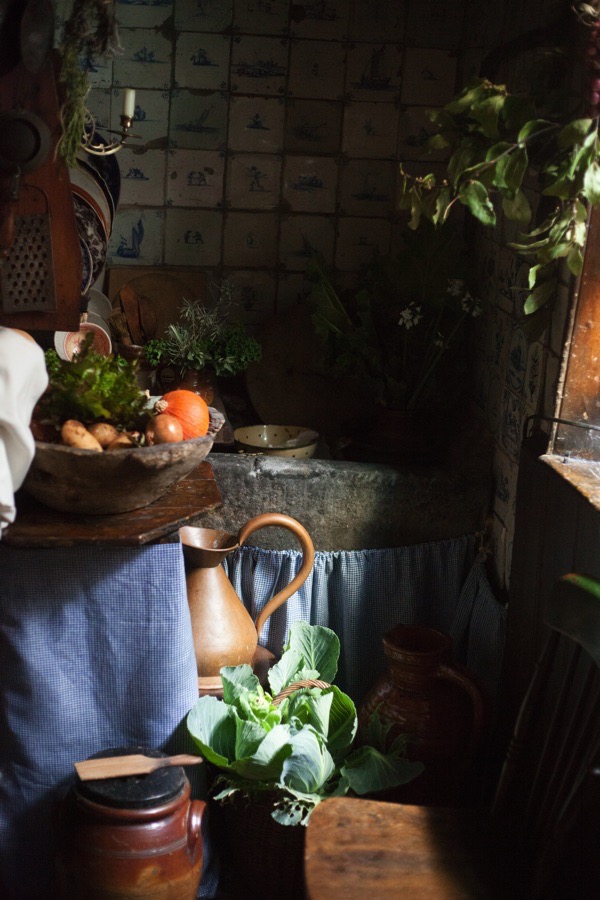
(277, 440)
(89, 483)
(68, 343)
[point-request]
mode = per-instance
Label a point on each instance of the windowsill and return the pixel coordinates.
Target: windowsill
(582, 474)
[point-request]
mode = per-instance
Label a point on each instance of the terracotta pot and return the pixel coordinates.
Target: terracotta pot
(133, 838)
(435, 701)
(200, 381)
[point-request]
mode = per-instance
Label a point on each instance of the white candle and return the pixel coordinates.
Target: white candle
(128, 102)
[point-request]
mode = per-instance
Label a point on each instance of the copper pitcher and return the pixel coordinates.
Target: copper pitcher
(223, 631)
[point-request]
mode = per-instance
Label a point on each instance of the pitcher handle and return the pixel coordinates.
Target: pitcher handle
(459, 676)
(280, 520)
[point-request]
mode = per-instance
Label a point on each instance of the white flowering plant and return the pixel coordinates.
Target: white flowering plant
(402, 330)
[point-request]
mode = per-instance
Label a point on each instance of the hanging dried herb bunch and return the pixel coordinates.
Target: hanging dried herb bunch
(89, 32)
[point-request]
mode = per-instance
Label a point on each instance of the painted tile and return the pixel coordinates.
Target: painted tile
(146, 59)
(253, 181)
(323, 19)
(198, 120)
(256, 123)
(373, 71)
(493, 404)
(142, 177)
(137, 238)
(517, 362)
(359, 239)
(202, 61)
(309, 183)
(505, 480)
(195, 178)
(317, 69)
(370, 129)
(513, 419)
(434, 24)
(378, 20)
(536, 361)
(313, 126)
(203, 15)
(98, 102)
(501, 326)
(262, 16)
(257, 292)
(250, 239)
(150, 120)
(367, 187)
(192, 237)
(259, 65)
(429, 77)
(304, 237)
(142, 14)
(292, 290)
(414, 129)
(99, 70)
(511, 280)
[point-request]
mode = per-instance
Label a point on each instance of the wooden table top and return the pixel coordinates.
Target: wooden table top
(37, 526)
(358, 848)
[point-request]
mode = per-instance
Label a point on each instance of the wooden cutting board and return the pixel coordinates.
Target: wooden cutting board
(44, 193)
(161, 291)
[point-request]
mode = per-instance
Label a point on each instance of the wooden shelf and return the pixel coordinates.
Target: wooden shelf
(38, 526)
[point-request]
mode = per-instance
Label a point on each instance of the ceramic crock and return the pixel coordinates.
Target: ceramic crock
(131, 838)
(438, 704)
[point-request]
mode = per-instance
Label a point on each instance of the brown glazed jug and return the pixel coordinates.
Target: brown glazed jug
(130, 838)
(438, 704)
(223, 631)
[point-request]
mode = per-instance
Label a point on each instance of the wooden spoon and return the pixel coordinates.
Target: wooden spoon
(134, 764)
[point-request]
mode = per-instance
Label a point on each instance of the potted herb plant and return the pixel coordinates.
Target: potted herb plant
(400, 332)
(204, 343)
(277, 755)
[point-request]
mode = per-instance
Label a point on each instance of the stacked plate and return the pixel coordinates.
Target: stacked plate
(95, 186)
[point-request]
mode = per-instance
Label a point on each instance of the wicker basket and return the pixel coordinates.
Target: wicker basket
(259, 858)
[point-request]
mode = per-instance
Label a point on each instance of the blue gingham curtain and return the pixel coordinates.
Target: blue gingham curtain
(360, 594)
(96, 651)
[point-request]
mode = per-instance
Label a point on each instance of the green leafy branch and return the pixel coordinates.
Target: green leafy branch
(495, 139)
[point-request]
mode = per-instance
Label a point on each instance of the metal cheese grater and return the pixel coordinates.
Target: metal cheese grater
(26, 273)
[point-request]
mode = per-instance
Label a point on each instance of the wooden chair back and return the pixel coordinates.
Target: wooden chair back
(548, 772)
(546, 804)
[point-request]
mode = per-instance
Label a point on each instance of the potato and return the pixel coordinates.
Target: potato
(122, 442)
(74, 434)
(104, 432)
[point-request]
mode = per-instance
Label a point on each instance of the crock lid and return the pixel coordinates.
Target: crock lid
(133, 791)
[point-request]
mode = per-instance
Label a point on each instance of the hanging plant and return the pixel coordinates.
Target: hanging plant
(495, 140)
(89, 32)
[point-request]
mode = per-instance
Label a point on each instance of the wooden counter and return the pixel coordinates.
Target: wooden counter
(39, 526)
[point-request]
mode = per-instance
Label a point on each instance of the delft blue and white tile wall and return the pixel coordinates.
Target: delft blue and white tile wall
(269, 128)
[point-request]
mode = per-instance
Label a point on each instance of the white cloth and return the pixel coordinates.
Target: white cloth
(23, 380)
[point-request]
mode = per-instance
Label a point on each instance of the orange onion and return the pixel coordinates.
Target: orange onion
(189, 408)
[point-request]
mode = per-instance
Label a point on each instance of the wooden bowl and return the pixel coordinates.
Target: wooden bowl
(91, 483)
